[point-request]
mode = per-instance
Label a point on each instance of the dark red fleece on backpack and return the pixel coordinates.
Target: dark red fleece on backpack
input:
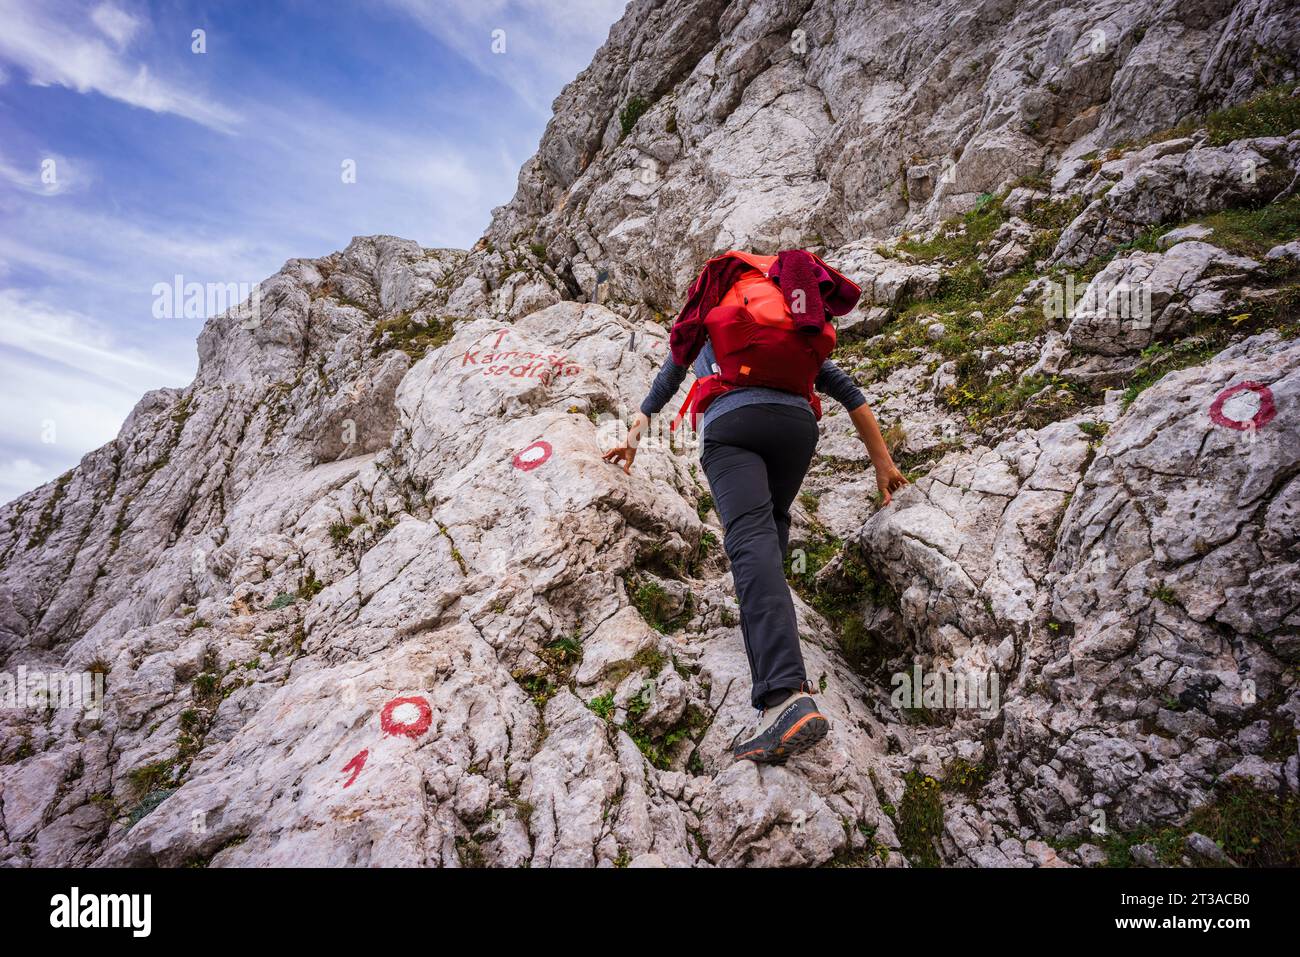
(825, 290)
(797, 270)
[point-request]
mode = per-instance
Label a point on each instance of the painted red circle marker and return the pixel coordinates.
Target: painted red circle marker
(355, 766)
(1263, 415)
(533, 456)
(410, 717)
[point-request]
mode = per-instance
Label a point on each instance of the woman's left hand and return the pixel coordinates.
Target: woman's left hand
(623, 455)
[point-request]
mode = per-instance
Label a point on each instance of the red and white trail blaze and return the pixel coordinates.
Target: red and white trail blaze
(533, 456)
(1264, 412)
(409, 717)
(405, 717)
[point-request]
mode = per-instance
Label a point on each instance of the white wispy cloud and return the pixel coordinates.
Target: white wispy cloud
(69, 382)
(60, 43)
(545, 44)
(78, 343)
(274, 192)
(118, 25)
(50, 174)
(18, 475)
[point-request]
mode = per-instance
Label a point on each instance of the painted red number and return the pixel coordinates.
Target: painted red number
(355, 766)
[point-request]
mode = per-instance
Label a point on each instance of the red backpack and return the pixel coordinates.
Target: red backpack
(755, 342)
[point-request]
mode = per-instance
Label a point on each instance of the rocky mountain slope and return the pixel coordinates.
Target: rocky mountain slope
(364, 593)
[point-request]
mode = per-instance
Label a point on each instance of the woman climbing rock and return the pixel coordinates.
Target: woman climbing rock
(757, 331)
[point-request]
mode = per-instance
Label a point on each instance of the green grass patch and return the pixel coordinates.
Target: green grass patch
(656, 606)
(47, 522)
(1164, 594)
(283, 600)
(1255, 828)
(920, 819)
(147, 805)
(659, 749)
(952, 242)
(1273, 112)
(310, 586)
(965, 777)
(843, 601)
(1209, 338)
(414, 338)
(1253, 232)
(150, 777)
(631, 112)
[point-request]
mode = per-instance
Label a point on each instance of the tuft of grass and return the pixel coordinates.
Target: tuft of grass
(1255, 828)
(959, 239)
(652, 601)
(660, 749)
(920, 819)
(150, 777)
(310, 586)
(631, 112)
(1253, 232)
(1094, 430)
(147, 805)
(1276, 112)
(47, 522)
(410, 336)
(282, 600)
(1273, 112)
(1200, 345)
(1165, 594)
(842, 602)
(965, 777)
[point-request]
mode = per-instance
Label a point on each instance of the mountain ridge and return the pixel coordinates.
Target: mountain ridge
(360, 597)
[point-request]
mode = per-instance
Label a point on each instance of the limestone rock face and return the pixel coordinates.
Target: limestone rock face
(364, 593)
(777, 123)
(1141, 298)
(1173, 186)
(1105, 580)
(368, 659)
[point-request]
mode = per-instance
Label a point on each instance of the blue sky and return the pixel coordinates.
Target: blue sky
(127, 158)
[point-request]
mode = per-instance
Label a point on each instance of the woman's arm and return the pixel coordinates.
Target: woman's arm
(888, 478)
(839, 385)
(664, 387)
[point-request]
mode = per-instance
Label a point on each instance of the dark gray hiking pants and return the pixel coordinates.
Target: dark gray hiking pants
(755, 458)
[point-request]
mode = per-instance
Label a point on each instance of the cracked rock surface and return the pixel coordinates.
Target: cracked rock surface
(365, 594)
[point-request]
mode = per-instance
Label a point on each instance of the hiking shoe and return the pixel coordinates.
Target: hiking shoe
(784, 730)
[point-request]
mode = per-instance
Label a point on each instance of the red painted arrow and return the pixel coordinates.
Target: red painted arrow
(355, 766)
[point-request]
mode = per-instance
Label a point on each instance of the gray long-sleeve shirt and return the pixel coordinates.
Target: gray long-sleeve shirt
(831, 380)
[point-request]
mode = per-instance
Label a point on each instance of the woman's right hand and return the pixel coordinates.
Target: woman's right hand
(625, 453)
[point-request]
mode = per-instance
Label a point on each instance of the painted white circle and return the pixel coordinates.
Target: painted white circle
(532, 454)
(1243, 406)
(406, 713)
